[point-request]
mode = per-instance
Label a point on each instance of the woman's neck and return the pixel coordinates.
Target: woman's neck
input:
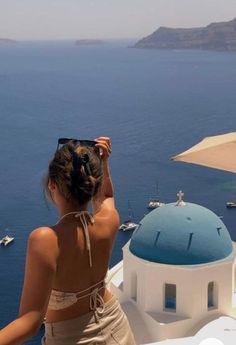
(68, 208)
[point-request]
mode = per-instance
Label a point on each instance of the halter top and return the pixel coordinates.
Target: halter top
(60, 299)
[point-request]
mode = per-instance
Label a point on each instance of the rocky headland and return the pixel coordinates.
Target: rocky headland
(216, 36)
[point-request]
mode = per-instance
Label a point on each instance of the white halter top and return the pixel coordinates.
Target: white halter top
(60, 299)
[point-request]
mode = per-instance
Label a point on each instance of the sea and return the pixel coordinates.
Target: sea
(153, 104)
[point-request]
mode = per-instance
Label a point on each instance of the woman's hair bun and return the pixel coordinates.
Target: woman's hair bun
(77, 171)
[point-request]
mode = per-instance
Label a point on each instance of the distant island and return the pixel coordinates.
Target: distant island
(88, 42)
(216, 36)
(7, 41)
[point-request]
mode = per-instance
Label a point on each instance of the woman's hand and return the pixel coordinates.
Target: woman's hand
(104, 144)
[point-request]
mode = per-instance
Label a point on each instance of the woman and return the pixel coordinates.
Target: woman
(66, 264)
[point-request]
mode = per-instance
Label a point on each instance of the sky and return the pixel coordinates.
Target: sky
(105, 19)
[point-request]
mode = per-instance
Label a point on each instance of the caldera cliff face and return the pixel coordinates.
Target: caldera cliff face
(216, 36)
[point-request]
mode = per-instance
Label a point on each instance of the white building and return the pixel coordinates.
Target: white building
(177, 274)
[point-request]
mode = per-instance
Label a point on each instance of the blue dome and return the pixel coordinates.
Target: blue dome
(181, 235)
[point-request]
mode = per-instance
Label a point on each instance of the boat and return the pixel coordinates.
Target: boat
(155, 203)
(6, 240)
(128, 224)
(231, 204)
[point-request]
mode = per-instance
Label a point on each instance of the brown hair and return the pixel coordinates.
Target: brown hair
(77, 172)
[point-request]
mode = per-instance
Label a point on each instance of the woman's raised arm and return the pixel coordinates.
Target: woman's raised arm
(105, 197)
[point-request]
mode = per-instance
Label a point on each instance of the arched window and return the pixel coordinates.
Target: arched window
(211, 293)
(234, 276)
(170, 297)
(134, 286)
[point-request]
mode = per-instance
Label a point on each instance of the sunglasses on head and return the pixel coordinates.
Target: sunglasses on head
(78, 142)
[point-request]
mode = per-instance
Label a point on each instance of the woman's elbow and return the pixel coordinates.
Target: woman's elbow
(35, 328)
(30, 324)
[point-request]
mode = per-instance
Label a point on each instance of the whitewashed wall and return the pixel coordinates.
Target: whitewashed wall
(141, 283)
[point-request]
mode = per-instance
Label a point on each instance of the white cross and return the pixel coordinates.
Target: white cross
(180, 201)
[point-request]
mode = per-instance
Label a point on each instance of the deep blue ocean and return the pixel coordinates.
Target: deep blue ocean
(152, 103)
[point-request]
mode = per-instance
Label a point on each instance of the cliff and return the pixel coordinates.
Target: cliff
(216, 36)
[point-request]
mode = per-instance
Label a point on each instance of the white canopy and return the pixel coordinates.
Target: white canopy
(215, 152)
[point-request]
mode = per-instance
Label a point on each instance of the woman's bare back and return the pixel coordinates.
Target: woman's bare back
(73, 273)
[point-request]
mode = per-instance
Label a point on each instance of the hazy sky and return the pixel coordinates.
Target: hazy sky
(71, 19)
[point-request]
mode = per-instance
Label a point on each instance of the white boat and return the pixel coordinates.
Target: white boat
(155, 203)
(6, 240)
(128, 224)
(231, 204)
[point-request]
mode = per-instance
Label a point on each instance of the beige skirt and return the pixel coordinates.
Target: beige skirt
(109, 327)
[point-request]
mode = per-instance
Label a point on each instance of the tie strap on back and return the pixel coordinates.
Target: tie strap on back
(82, 216)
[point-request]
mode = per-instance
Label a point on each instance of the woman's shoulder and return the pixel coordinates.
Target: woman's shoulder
(43, 240)
(108, 218)
(42, 247)
(42, 233)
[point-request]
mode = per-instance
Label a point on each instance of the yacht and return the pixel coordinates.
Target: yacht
(6, 240)
(231, 204)
(128, 224)
(155, 203)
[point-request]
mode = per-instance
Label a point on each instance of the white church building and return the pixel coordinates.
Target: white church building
(178, 273)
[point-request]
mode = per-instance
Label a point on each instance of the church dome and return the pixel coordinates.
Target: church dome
(186, 234)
